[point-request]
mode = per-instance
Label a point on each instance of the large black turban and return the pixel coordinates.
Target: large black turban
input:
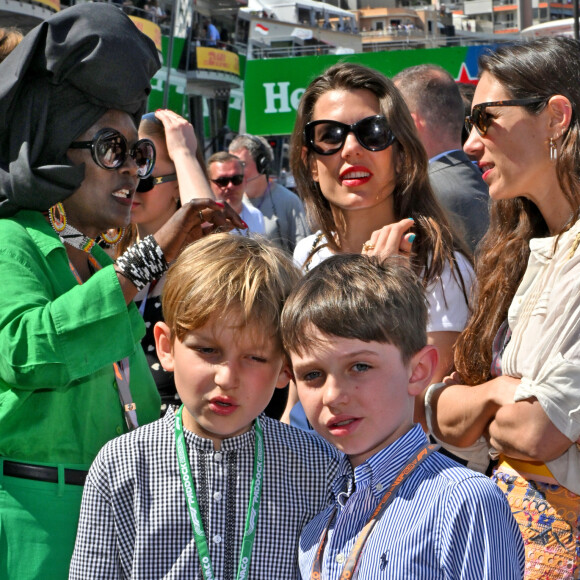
(63, 76)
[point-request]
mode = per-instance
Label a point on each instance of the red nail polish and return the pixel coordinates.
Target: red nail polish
(245, 224)
(220, 204)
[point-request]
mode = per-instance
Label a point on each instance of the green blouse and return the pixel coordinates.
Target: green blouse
(58, 341)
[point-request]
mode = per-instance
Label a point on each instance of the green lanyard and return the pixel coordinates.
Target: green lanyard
(193, 506)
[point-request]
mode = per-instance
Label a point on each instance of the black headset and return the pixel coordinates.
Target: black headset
(263, 157)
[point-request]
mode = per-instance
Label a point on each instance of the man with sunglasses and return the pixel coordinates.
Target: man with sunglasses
(226, 177)
(284, 215)
(437, 108)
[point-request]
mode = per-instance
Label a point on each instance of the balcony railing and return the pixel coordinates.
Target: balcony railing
(393, 31)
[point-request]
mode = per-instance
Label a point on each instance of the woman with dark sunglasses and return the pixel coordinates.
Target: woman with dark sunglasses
(361, 171)
(72, 371)
(178, 177)
(517, 385)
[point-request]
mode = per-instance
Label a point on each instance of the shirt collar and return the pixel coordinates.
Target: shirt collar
(203, 445)
(380, 470)
(40, 230)
(47, 240)
(439, 155)
(544, 248)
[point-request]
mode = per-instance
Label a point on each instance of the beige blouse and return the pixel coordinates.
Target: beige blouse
(544, 350)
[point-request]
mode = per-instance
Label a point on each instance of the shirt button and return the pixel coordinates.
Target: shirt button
(217, 539)
(379, 487)
(217, 495)
(340, 558)
(217, 456)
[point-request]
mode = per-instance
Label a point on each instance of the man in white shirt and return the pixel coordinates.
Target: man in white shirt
(283, 210)
(226, 178)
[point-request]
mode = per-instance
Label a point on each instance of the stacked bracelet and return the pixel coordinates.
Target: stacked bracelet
(142, 263)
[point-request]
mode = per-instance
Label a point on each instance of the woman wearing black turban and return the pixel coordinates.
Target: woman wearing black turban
(72, 372)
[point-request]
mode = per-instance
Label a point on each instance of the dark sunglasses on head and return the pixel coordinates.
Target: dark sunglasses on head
(329, 137)
(223, 181)
(148, 183)
(480, 119)
(109, 150)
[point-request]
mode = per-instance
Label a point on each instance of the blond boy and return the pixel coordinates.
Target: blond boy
(215, 489)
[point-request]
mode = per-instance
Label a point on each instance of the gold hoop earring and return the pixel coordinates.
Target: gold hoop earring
(113, 240)
(57, 217)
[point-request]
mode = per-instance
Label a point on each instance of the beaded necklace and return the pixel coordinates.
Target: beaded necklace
(70, 235)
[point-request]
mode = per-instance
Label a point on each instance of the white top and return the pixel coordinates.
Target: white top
(544, 349)
(255, 220)
(284, 217)
(448, 310)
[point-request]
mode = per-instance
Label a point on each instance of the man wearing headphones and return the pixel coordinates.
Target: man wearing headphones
(283, 210)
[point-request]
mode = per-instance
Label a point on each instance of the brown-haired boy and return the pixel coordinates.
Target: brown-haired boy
(215, 489)
(355, 330)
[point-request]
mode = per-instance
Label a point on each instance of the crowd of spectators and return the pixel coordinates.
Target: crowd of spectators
(386, 357)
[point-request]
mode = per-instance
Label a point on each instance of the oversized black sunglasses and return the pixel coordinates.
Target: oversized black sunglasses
(234, 179)
(109, 150)
(148, 183)
(480, 119)
(328, 137)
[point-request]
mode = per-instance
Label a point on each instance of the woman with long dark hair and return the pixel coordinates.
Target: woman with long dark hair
(361, 171)
(516, 388)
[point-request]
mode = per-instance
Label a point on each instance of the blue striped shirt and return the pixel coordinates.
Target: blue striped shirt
(445, 522)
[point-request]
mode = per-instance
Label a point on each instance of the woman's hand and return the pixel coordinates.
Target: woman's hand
(392, 240)
(179, 134)
(182, 149)
(504, 389)
(198, 218)
(194, 220)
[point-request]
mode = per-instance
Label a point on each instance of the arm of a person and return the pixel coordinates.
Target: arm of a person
(523, 430)
(448, 313)
(461, 414)
(542, 421)
(479, 537)
(192, 221)
(182, 146)
(96, 548)
(53, 330)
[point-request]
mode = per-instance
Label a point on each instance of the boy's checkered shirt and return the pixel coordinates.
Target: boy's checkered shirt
(134, 521)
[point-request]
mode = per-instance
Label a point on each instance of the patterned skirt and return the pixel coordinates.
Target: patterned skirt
(548, 516)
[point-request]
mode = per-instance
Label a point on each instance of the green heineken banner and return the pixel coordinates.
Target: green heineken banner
(273, 87)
